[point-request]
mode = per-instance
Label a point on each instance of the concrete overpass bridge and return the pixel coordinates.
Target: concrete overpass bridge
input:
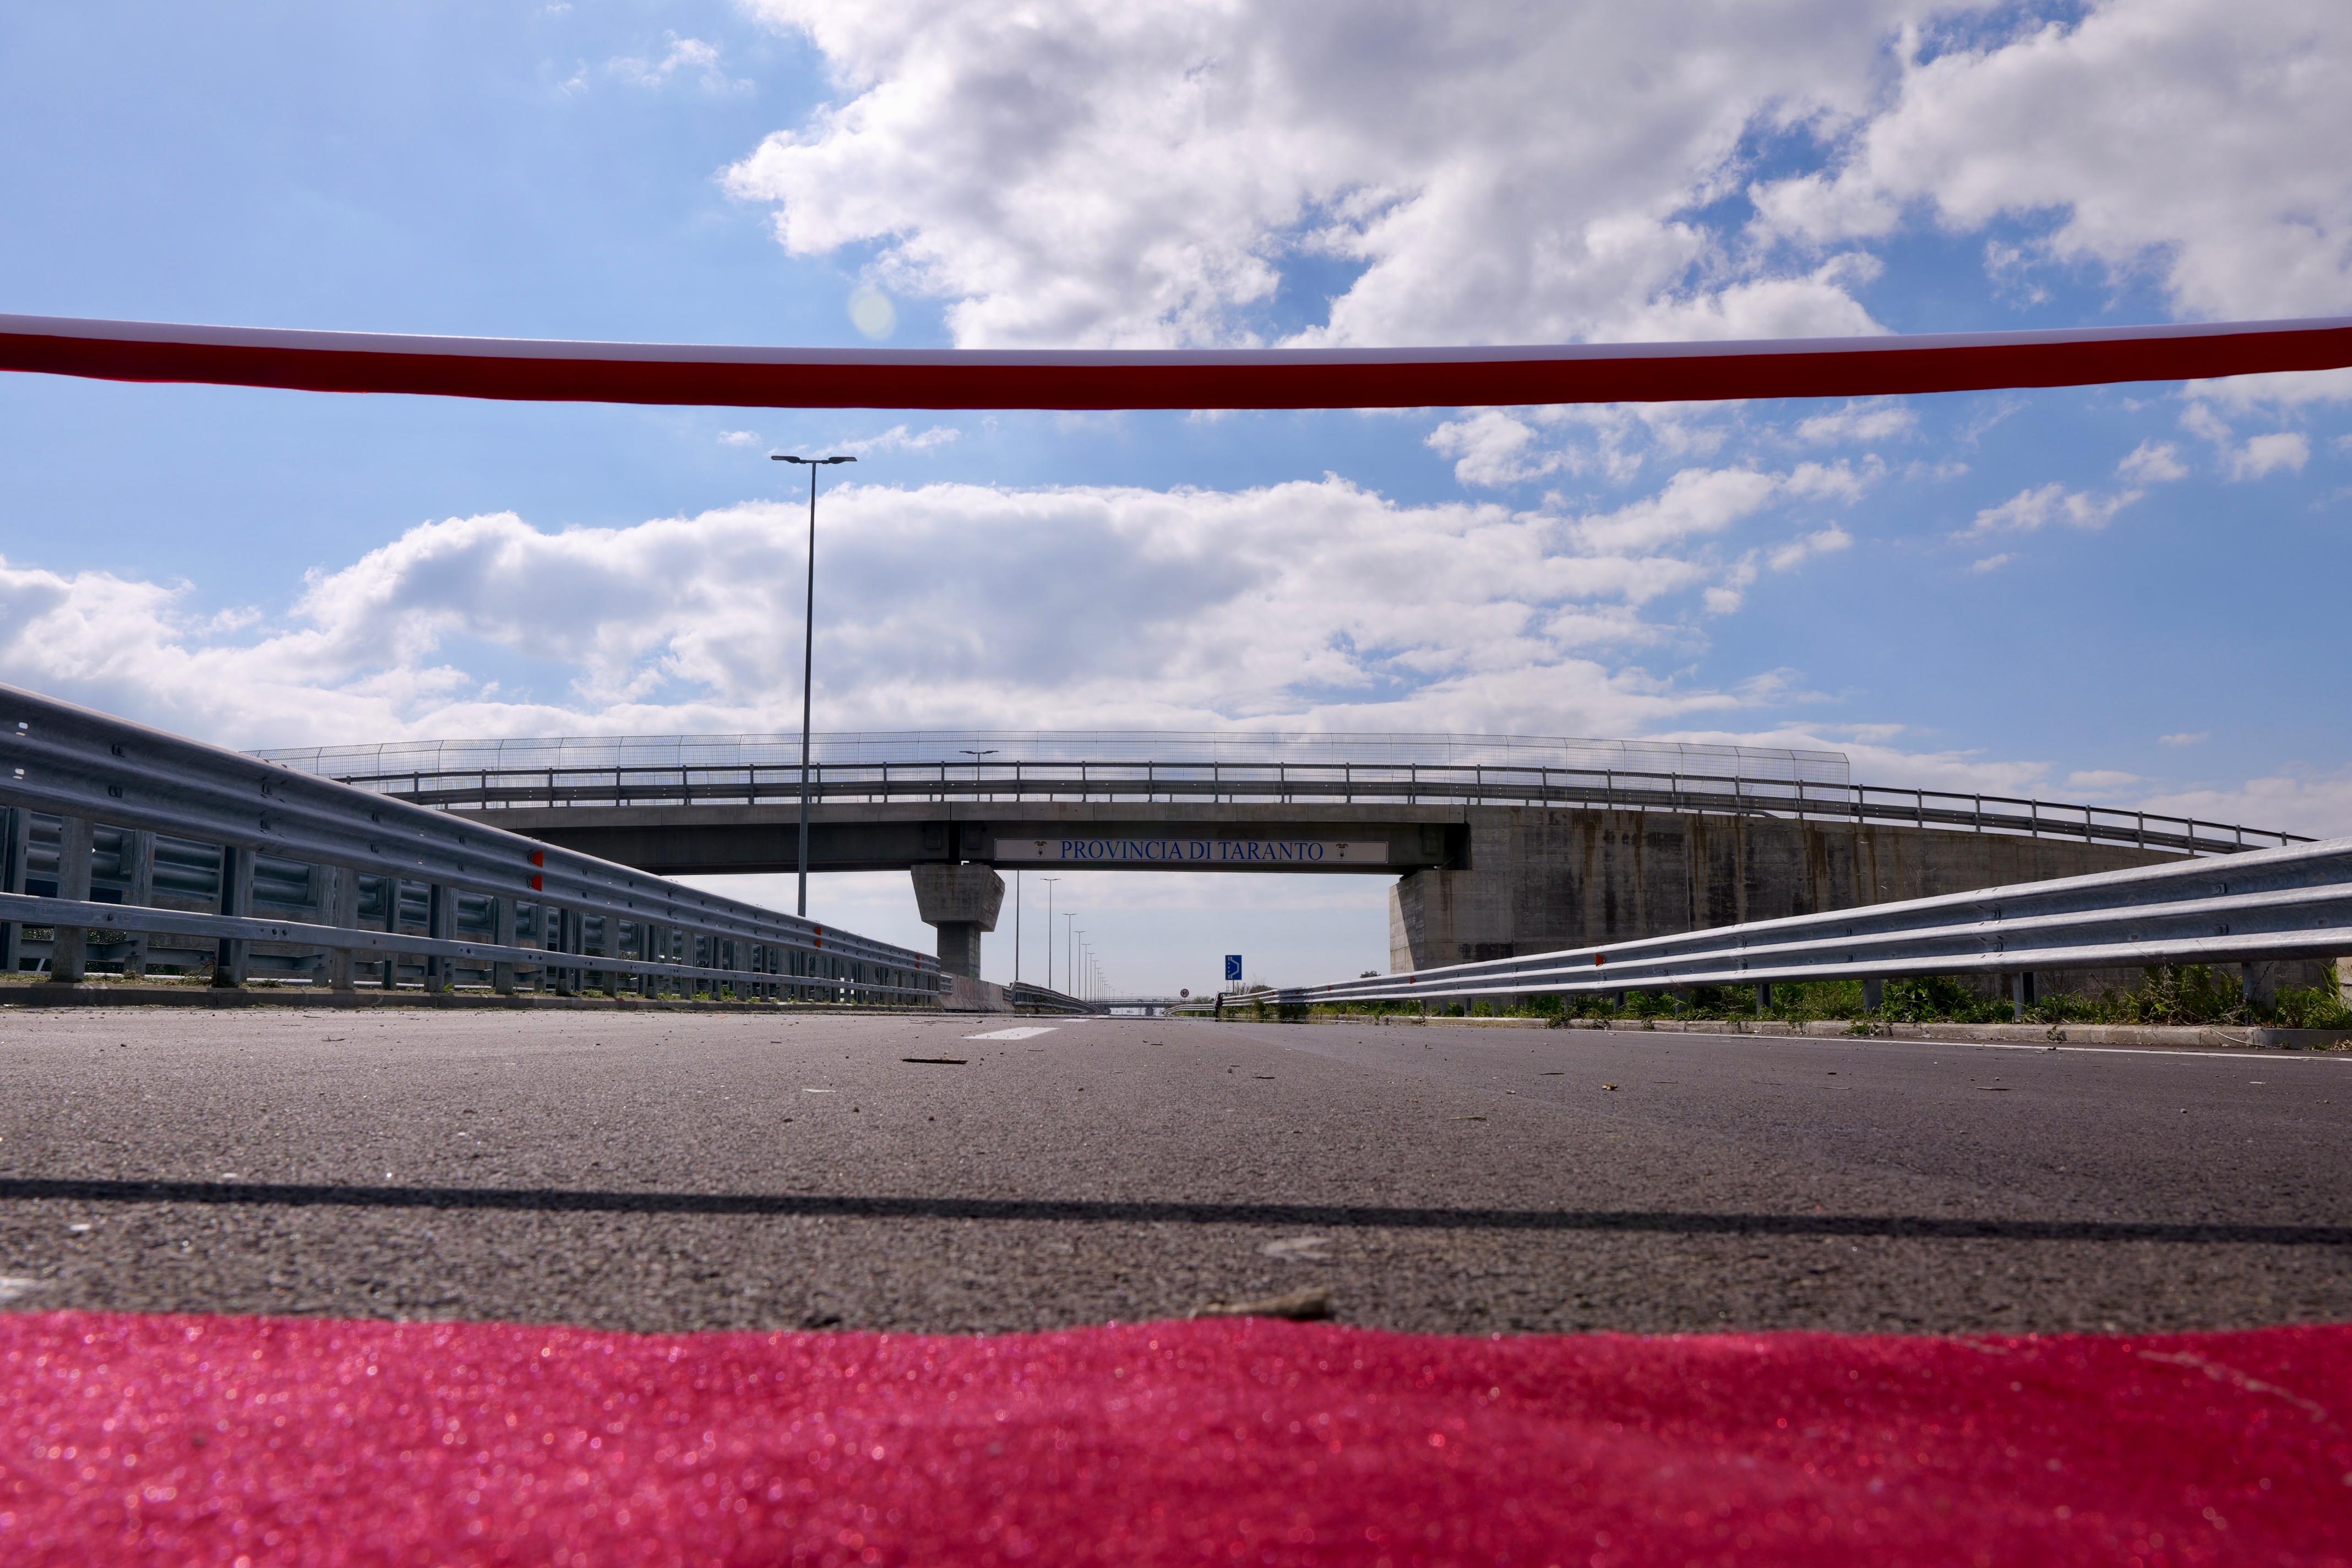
(1495, 846)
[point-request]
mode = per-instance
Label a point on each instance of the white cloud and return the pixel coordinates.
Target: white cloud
(2311, 801)
(1318, 604)
(1870, 419)
(897, 438)
(686, 59)
(2191, 142)
(2152, 462)
(2029, 511)
(1826, 542)
(739, 438)
(2255, 456)
(2185, 737)
(2101, 781)
(1078, 173)
(2267, 454)
(1991, 562)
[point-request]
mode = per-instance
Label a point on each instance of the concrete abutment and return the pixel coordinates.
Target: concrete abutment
(1539, 879)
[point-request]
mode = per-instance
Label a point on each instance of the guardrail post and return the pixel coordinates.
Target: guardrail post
(341, 911)
(564, 942)
(502, 932)
(2258, 983)
(440, 925)
(139, 868)
(2021, 994)
(14, 824)
(1873, 994)
(234, 956)
(69, 946)
(1763, 998)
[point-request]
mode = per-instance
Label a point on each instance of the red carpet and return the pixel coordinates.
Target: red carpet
(238, 1441)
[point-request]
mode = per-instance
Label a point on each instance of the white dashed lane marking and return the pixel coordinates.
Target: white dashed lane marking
(1026, 1032)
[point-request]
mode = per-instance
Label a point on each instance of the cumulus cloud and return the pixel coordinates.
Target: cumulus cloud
(1991, 562)
(1320, 604)
(2152, 463)
(2031, 510)
(2191, 143)
(2267, 454)
(1151, 173)
(1868, 419)
(2253, 458)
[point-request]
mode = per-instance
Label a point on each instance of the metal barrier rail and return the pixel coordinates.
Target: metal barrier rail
(1287, 784)
(84, 767)
(1022, 993)
(2256, 908)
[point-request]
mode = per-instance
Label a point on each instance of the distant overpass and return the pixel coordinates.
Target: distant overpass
(1499, 845)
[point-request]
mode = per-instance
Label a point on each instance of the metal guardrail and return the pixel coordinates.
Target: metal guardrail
(1037, 998)
(491, 789)
(2252, 909)
(588, 916)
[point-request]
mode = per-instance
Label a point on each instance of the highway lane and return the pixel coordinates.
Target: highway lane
(668, 1171)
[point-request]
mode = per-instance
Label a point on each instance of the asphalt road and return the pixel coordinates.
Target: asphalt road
(668, 1172)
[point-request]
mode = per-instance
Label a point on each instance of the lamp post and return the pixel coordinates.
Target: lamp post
(975, 757)
(1049, 882)
(808, 654)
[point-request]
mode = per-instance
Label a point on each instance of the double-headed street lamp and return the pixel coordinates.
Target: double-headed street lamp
(808, 655)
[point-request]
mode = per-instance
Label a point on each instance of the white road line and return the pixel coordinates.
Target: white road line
(14, 1285)
(1025, 1032)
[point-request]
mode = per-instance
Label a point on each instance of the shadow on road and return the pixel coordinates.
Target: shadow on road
(261, 1194)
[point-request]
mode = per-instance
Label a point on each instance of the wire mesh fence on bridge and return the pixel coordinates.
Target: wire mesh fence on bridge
(1227, 770)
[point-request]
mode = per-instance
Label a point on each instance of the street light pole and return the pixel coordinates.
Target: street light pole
(808, 654)
(1049, 882)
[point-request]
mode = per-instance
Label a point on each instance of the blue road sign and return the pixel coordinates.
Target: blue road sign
(1233, 967)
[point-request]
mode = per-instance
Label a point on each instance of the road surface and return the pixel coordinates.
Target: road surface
(668, 1171)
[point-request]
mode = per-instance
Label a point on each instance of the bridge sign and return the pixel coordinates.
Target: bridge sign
(1233, 967)
(1209, 854)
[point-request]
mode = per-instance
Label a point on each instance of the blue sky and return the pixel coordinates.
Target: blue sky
(2118, 593)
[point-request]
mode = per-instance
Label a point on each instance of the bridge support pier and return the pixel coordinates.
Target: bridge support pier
(963, 901)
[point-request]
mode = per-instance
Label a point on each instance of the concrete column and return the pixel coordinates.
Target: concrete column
(963, 901)
(2258, 982)
(1873, 994)
(235, 955)
(14, 824)
(139, 867)
(342, 911)
(69, 946)
(2021, 994)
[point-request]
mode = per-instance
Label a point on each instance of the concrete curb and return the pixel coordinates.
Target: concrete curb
(2205, 1036)
(47, 994)
(2192, 1036)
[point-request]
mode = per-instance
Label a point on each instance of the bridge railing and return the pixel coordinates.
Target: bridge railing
(1297, 784)
(1038, 998)
(128, 821)
(2252, 909)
